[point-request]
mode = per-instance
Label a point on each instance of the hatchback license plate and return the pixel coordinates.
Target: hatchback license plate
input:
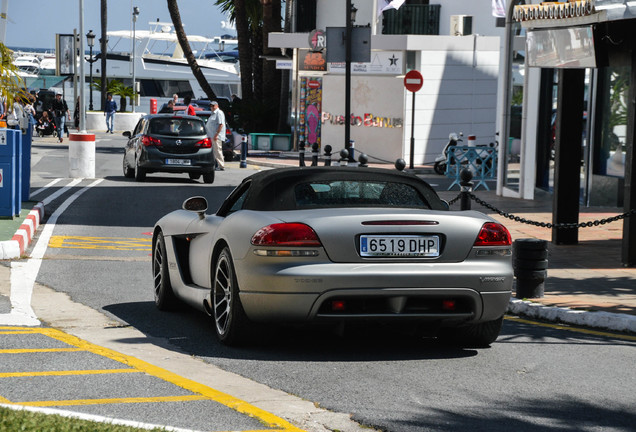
(178, 162)
(399, 246)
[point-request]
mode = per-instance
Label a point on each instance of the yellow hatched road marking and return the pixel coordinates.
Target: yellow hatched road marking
(573, 329)
(39, 350)
(101, 243)
(202, 392)
(66, 373)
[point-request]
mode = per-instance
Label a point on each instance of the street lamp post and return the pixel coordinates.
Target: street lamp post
(134, 18)
(351, 17)
(90, 39)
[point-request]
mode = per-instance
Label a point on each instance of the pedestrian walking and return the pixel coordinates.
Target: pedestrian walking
(216, 130)
(60, 114)
(110, 108)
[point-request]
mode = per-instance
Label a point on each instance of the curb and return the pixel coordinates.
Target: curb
(15, 247)
(594, 319)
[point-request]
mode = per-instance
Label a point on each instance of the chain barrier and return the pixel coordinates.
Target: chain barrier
(543, 224)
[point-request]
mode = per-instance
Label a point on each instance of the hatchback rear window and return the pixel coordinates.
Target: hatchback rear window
(176, 127)
(357, 193)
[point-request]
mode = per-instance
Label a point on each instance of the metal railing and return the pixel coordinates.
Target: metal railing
(412, 19)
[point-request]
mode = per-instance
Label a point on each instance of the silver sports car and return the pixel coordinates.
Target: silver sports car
(335, 244)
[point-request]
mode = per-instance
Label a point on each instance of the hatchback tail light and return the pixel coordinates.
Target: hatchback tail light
(286, 234)
(149, 141)
(493, 234)
(204, 143)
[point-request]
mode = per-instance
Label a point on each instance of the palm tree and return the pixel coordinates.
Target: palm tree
(246, 15)
(173, 8)
(11, 84)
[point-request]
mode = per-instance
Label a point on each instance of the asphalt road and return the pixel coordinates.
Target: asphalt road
(535, 377)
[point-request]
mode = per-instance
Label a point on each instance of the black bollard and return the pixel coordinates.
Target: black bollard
(400, 164)
(530, 263)
(243, 163)
(466, 188)
(301, 153)
(362, 160)
(344, 157)
(314, 154)
(327, 155)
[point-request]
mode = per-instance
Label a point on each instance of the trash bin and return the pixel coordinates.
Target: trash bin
(10, 201)
(530, 263)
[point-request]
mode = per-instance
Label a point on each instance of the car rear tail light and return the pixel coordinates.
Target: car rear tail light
(286, 234)
(149, 141)
(493, 234)
(204, 143)
(449, 305)
(338, 306)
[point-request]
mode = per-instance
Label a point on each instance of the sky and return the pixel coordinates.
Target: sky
(34, 23)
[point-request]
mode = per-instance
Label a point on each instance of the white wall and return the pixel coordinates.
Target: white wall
(459, 94)
(378, 95)
(331, 13)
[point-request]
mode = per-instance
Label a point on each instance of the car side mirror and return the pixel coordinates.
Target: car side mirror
(196, 204)
(127, 134)
(446, 205)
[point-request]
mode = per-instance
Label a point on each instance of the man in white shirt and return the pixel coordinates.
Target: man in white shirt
(216, 131)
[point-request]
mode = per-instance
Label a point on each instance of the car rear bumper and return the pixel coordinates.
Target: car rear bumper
(155, 160)
(480, 291)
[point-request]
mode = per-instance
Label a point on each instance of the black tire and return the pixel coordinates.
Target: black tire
(440, 168)
(128, 171)
(530, 254)
(194, 176)
(230, 322)
(522, 264)
(140, 173)
(473, 336)
(208, 177)
(165, 299)
(531, 274)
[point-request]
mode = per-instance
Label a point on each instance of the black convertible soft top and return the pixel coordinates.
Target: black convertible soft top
(271, 190)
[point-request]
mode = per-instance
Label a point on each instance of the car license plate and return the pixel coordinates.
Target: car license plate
(178, 162)
(399, 246)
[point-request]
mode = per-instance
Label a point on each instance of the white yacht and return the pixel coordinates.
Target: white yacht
(160, 66)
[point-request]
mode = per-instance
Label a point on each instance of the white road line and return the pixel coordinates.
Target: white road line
(93, 418)
(23, 273)
(42, 189)
(50, 198)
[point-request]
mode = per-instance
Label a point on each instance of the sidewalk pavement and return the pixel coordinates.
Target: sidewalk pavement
(586, 283)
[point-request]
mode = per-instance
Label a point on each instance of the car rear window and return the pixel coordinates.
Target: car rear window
(357, 193)
(176, 127)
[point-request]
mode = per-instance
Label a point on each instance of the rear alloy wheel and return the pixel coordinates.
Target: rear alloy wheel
(230, 321)
(208, 177)
(473, 336)
(164, 296)
(140, 173)
(128, 171)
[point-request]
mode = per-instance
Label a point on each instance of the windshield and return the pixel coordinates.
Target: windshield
(357, 193)
(176, 126)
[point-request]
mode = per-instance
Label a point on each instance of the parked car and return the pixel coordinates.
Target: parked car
(229, 153)
(335, 244)
(169, 143)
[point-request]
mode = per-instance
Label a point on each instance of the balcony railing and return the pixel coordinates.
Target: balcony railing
(412, 19)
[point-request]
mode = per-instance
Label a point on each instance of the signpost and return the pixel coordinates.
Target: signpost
(413, 82)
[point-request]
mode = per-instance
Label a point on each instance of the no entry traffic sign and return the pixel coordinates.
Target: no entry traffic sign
(413, 81)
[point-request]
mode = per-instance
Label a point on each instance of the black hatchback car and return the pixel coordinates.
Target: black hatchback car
(169, 143)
